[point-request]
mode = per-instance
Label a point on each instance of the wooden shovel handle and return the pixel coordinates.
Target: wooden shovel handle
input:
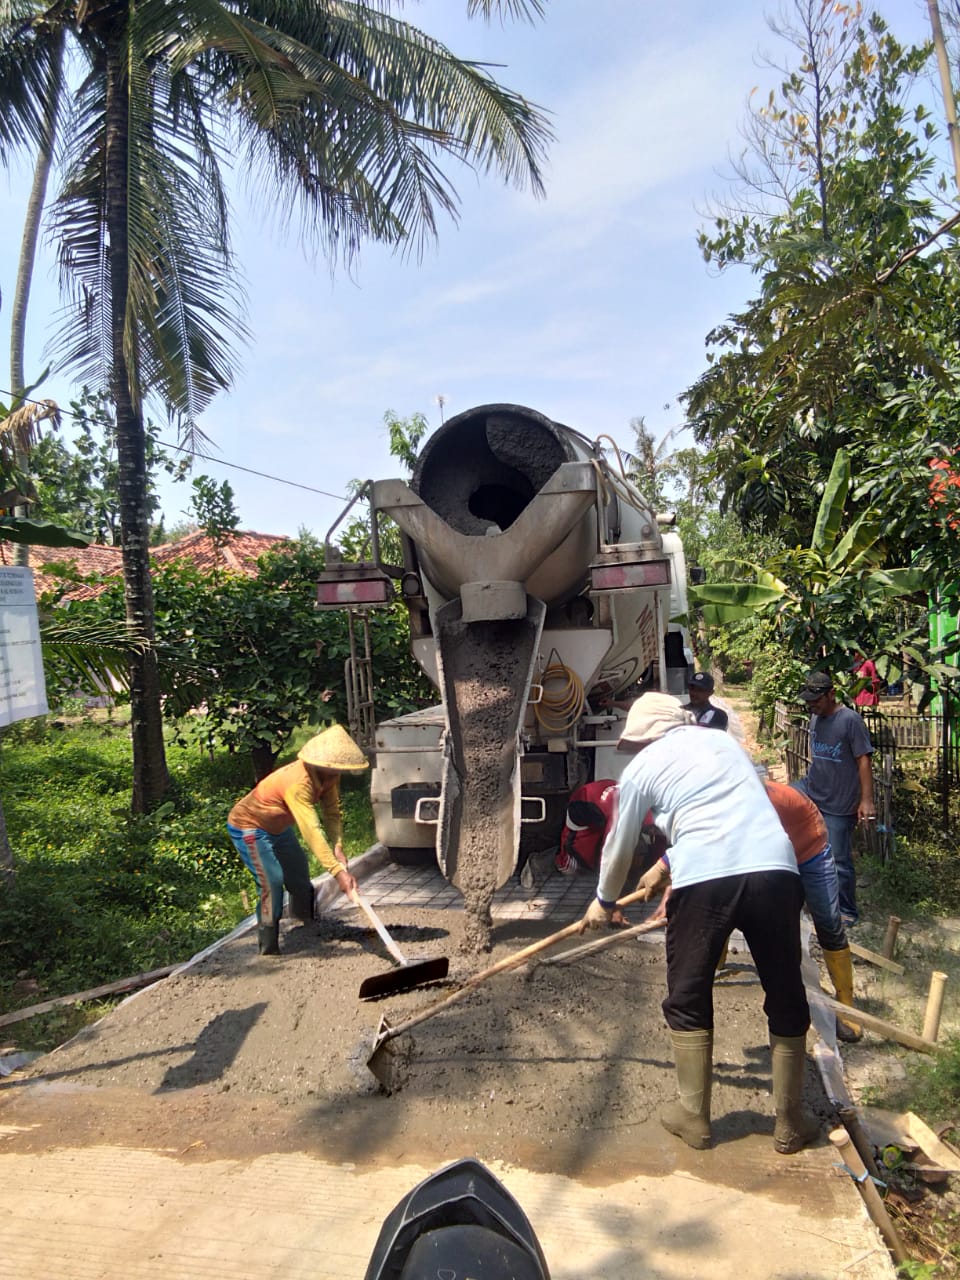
(611, 940)
(508, 962)
(388, 942)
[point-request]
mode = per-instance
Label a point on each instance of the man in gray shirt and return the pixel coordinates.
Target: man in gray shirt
(840, 779)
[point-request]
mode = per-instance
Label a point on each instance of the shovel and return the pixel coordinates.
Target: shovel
(412, 973)
(387, 1060)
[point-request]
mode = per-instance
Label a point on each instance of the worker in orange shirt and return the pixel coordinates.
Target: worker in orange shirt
(804, 824)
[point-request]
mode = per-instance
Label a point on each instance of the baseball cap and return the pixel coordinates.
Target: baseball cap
(815, 686)
(701, 681)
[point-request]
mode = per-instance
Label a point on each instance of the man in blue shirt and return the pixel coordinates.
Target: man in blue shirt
(839, 780)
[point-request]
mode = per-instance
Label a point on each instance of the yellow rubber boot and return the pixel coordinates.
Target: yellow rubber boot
(840, 967)
(689, 1117)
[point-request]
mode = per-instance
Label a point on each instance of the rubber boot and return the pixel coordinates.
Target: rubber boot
(840, 968)
(793, 1129)
(689, 1117)
(268, 939)
(303, 905)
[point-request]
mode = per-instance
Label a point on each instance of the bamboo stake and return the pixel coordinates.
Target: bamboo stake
(853, 1125)
(95, 993)
(871, 1196)
(885, 1029)
(890, 937)
(874, 957)
(931, 1019)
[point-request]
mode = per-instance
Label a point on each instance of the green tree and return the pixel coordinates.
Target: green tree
(212, 504)
(849, 343)
(28, 249)
(257, 655)
(406, 435)
(832, 598)
(647, 463)
(345, 110)
(77, 484)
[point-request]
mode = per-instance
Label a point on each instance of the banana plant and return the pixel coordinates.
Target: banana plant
(824, 599)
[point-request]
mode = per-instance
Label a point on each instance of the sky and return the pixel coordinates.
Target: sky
(591, 305)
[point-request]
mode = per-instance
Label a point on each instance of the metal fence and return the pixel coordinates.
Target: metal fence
(949, 748)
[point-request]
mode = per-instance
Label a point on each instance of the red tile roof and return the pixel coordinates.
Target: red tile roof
(239, 554)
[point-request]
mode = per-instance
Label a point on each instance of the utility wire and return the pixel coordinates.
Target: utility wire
(207, 457)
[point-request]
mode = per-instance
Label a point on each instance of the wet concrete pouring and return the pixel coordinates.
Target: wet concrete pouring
(558, 1068)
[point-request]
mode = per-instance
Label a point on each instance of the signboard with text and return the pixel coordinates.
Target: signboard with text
(23, 690)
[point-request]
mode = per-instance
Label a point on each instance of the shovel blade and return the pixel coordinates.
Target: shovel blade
(389, 1059)
(415, 974)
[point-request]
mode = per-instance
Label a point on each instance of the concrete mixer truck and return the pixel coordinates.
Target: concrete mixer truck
(540, 585)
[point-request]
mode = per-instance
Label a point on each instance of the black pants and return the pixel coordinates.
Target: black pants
(765, 907)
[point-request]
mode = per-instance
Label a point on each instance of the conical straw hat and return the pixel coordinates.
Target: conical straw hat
(334, 749)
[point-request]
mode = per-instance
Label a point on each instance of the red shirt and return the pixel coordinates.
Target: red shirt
(868, 696)
(586, 843)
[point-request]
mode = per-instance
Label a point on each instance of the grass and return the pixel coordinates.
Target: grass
(100, 894)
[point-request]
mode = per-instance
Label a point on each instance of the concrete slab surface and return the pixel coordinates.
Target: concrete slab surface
(107, 1213)
(92, 1208)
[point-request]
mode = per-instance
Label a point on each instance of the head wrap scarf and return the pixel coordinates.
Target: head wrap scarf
(653, 715)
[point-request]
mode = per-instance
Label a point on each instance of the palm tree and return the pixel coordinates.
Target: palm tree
(28, 253)
(345, 112)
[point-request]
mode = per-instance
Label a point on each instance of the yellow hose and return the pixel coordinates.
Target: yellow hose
(562, 698)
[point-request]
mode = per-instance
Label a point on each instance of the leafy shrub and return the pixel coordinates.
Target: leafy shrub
(922, 876)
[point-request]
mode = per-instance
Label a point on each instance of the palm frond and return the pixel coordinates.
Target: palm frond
(20, 429)
(182, 294)
(528, 10)
(78, 225)
(97, 653)
(25, 63)
(349, 110)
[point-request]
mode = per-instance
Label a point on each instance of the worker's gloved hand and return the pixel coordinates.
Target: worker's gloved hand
(346, 882)
(653, 880)
(597, 917)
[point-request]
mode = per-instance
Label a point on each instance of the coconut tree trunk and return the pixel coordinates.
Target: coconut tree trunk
(31, 225)
(28, 255)
(150, 777)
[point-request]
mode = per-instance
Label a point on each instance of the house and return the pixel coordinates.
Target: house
(238, 554)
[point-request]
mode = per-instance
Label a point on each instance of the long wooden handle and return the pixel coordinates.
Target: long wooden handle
(601, 944)
(378, 924)
(508, 962)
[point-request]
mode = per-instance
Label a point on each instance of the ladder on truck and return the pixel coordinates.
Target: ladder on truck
(355, 589)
